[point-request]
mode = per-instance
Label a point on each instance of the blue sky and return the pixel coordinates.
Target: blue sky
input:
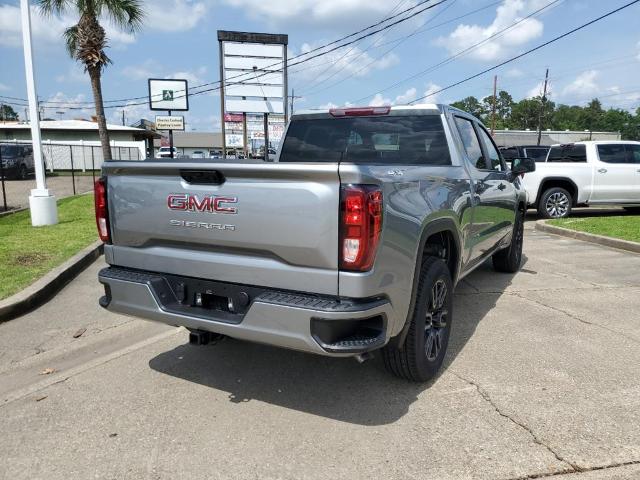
(179, 40)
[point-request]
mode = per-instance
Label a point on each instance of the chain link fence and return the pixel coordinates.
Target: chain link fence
(70, 169)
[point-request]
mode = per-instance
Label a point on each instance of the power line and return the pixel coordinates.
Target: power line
(312, 50)
(463, 52)
(377, 58)
(542, 45)
(317, 82)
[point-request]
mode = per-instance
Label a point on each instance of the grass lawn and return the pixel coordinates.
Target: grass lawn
(27, 253)
(625, 227)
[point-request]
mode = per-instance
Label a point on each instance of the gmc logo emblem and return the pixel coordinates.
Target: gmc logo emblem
(187, 202)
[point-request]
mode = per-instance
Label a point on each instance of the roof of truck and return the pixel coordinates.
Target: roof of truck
(597, 142)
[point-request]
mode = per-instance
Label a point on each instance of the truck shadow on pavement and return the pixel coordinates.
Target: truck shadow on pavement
(340, 389)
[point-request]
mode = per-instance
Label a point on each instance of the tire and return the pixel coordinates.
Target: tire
(633, 210)
(421, 355)
(23, 173)
(555, 203)
(509, 259)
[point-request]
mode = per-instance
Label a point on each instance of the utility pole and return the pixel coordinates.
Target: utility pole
(41, 204)
(544, 101)
(493, 107)
(293, 97)
(123, 117)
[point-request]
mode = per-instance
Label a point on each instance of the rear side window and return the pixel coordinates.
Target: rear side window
(568, 153)
(402, 140)
(613, 153)
(509, 153)
(538, 154)
(633, 153)
(471, 143)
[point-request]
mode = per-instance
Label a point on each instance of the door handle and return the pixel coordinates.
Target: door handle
(602, 170)
(501, 186)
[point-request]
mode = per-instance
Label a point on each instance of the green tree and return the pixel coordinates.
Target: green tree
(86, 41)
(592, 116)
(470, 105)
(567, 117)
(8, 113)
(525, 114)
(504, 105)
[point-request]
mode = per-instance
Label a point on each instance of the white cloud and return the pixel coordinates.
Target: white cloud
(585, 84)
(430, 93)
(147, 69)
(378, 100)
(510, 11)
(78, 106)
(174, 15)
(514, 73)
(350, 62)
(4, 88)
(334, 14)
(192, 76)
(75, 73)
(165, 15)
(407, 96)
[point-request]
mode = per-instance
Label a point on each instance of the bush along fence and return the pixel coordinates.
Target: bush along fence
(70, 169)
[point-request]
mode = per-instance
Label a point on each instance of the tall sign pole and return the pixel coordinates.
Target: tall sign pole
(222, 108)
(253, 80)
(41, 204)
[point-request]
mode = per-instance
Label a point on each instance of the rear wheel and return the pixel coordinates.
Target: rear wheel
(555, 203)
(420, 356)
(509, 259)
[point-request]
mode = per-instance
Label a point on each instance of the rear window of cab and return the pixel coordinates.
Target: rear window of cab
(400, 140)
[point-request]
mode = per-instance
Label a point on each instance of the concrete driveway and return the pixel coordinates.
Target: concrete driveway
(541, 380)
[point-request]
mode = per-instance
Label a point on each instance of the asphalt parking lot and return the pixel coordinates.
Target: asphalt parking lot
(541, 380)
(18, 191)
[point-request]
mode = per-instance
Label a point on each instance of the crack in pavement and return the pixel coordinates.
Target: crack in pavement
(575, 317)
(597, 468)
(572, 467)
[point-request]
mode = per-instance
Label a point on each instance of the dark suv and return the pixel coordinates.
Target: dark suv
(17, 161)
(537, 152)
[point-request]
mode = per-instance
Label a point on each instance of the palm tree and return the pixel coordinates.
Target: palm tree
(87, 40)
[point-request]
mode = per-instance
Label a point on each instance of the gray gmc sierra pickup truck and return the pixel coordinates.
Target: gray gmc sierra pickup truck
(351, 241)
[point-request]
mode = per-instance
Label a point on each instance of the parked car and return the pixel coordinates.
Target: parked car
(17, 161)
(537, 152)
(215, 153)
(351, 242)
(583, 174)
(165, 152)
(198, 154)
(272, 154)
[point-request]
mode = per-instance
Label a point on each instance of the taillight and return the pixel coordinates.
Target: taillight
(359, 111)
(360, 226)
(102, 217)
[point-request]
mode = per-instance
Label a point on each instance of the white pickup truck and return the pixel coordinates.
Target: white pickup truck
(583, 174)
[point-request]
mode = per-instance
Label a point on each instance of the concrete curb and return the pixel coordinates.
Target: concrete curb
(46, 287)
(589, 237)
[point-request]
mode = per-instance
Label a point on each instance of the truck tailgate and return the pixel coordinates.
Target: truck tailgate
(258, 224)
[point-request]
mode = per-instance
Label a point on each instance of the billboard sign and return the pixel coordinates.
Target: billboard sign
(169, 122)
(168, 94)
(253, 69)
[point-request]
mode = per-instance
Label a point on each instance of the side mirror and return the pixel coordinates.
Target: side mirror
(520, 166)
